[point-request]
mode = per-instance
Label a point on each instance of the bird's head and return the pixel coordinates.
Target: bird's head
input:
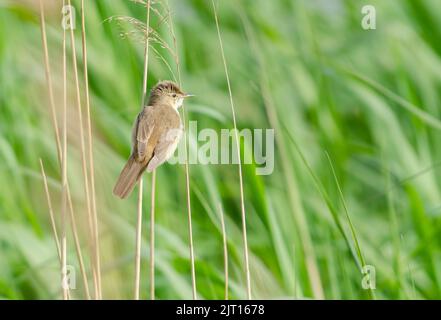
(167, 92)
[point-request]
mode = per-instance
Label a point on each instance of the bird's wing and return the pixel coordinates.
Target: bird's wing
(165, 148)
(142, 132)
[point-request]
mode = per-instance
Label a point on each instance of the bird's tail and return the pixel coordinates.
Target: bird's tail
(128, 178)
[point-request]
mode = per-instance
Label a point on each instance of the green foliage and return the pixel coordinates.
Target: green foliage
(357, 153)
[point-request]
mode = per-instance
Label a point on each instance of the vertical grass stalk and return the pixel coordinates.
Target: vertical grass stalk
(242, 201)
(64, 174)
(138, 242)
(152, 237)
(225, 247)
(59, 148)
(65, 289)
(93, 245)
(187, 169)
(139, 215)
(289, 176)
(51, 210)
(90, 147)
(73, 225)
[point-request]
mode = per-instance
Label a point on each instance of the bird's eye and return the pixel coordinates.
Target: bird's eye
(174, 95)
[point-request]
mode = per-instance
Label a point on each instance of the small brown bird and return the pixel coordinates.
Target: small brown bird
(155, 135)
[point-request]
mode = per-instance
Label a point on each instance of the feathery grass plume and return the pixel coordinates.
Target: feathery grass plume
(90, 149)
(186, 150)
(140, 31)
(236, 136)
(95, 271)
(59, 147)
(139, 219)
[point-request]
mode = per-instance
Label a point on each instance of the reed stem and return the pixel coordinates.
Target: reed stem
(187, 169)
(138, 242)
(152, 237)
(139, 219)
(93, 245)
(242, 200)
(90, 151)
(58, 146)
(64, 174)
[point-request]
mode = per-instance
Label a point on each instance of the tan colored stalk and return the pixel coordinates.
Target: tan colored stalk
(139, 219)
(90, 147)
(242, 201)
(187, 169)
(138, 242)
(66, 293)
(64, 174)
(78, 245)
(152, 237)
(95, 270)
(49, 80)
(51, 211)
(59, 149)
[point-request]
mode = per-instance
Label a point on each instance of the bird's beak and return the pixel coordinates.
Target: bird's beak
(188, 95)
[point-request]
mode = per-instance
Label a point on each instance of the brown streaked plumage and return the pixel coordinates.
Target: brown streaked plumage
(155, 135)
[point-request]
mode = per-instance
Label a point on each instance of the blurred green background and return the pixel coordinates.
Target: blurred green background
(352, 109)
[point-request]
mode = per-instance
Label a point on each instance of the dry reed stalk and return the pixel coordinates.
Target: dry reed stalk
(95, 270)
(187, 170)
(64, 172)
(138, 242)
(77, 245)
(66, 293)
(152, 237)
(242, 201)
(51, 211)
(139, 219)
(225, 246)
(59, 148)
(49, 81)
(90, 147)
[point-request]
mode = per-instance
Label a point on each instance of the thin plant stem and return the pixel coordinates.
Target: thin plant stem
(348, 218)
(190, 232)
(187, 169)
(139, 219)
(294, 199)
(152, 237)
(242, 200)
(225, 247)
(64, 174)
(66, 293)
(138, 242)
(77, 245)
(58, 145)
(49, 80)
(95, 270)
(51, 210)
(90, 151)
